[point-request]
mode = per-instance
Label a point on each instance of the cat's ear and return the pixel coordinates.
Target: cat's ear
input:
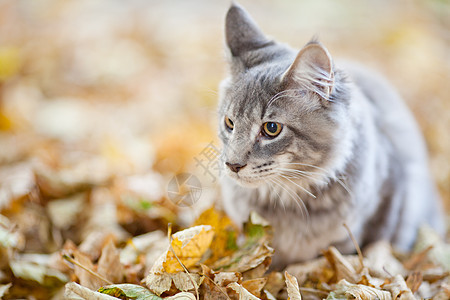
(241, 32)
(312, 70)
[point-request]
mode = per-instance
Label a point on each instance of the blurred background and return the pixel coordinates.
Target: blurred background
(103, 102)
(94, 92)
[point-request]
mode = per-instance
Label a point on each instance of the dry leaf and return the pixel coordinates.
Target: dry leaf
(161, 282)
(275, 283)
(35, 267)
(151, 244)
(255, 251)
(86, 279)
(63, 212)
(158, 283)
(292, 287)
(74, 291)
(414, 281)
(381, 262)
(189, 246)
(182, 296)
(109, 265)
(225, 278)
(212, 291)
(241, 291)
(4, 289)
(317, 270)
(440, 252)
(15, 181)
(359, 291)
(254, 286)
(399, 289)
(341, 266)
(444, 291)
(224, 242)
(132, 291)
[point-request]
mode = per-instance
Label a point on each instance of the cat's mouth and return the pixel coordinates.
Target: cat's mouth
(250, 180)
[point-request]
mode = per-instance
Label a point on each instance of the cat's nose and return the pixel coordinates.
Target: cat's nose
(235, 167)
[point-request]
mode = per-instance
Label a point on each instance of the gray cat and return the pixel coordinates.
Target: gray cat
(310, 146)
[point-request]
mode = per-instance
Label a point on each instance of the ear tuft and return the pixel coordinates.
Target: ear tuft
(313, 70)
(242, 33)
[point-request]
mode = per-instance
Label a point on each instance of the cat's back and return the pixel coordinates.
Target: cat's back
(392, 117)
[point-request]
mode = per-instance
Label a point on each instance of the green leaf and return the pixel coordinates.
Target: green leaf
(127, 291)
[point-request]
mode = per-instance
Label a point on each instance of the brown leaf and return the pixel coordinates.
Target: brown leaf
(414, 281)
(275, 283)
(109, 265)
(316, 270)
(159, 283)
(380, 260)
(342, 267)
(86, 279)
(416, 259)
(254, 286)
(292, 287)
(359, 291)
(399, 289)
(241, 291)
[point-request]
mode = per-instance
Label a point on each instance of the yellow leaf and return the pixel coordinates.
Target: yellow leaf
(189, 246)
(224, 242)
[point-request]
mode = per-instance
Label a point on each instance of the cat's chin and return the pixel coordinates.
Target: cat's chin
(246, 182)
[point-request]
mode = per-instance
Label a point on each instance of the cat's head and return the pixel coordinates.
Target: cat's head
(282, 113)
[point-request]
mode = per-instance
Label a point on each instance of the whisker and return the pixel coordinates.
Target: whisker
(280, 198)
(295, 197)
(292, 173)
(308, 165)
(338, 180)
(302, 188)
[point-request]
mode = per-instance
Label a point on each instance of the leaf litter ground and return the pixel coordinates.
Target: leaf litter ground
(93, 126)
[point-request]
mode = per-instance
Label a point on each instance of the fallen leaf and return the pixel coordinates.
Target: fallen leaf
(444, 291)
(358, 291)
(162, 282)
(224, 242)
(380, 260)
(74, 291)
(133, 291)
(109, 265)
(342, 267)
(16, 181)
(63, 212)
(181, 296)
(86, 278)
(316, 270)
(414, 281)
(255, 251)
(151, 245)
(292, 287)
(188, 245)
(275, 283)
(10, 236)
(399, 289)
(254, 286)
(29, 270)
(158, 283)
(440, 254)
(4, 289)
(241, 291)
(225, 278)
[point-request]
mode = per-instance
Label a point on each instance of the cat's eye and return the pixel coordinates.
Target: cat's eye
(228, 123)
(272, 129)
